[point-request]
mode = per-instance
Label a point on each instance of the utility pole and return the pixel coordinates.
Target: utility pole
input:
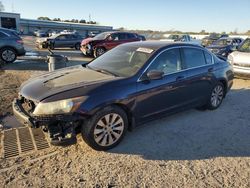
(89, 17)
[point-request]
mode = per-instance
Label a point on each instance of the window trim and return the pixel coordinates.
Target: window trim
(180, 48)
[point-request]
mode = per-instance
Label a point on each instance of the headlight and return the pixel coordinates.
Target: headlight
(230, 59)
(89, 46)
(59, 107)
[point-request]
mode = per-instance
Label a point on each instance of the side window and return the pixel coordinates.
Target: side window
(208, 57)
(131, 36)
(168, 62)
(61, 37)
(193, 57)
(122, 36)
(115, 37)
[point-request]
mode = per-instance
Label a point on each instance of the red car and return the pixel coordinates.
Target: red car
(105, 41)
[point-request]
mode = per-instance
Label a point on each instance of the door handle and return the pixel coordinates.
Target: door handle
(210, 69)
(180, 78)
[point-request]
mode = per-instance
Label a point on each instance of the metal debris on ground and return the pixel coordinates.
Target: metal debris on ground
(22, 140)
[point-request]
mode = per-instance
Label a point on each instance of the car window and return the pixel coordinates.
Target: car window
(122, 36)
(131, 36)
(208, 57)
(61, 37)
(193, 57)
(168, 62)
(115, 36)
(2, 35)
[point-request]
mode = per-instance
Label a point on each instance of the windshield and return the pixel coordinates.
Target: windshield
(101, 36)
(123, 61)
(173, 37)
(222, 42)
(245, 46)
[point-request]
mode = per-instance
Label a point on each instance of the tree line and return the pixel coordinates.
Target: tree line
(71, 21)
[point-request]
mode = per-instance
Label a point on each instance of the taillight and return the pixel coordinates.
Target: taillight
(19, 41)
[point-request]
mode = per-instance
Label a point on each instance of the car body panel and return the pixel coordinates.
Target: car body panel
(141, 99)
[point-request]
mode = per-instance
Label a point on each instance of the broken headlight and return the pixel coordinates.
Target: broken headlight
(59, 107)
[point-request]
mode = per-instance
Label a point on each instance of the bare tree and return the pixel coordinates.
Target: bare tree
(1, 6)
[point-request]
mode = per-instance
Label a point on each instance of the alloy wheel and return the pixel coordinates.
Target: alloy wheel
(8, 55)
(108, 129)
(217, 96)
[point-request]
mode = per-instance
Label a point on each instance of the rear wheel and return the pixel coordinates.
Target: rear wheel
(8, 55)
(99, 51)
(216, 96)
(106, 128)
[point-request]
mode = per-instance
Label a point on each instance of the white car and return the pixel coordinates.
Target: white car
(240, 59)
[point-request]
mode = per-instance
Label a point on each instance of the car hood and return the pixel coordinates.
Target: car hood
(88, 40)
(59, 81)
(241, 57)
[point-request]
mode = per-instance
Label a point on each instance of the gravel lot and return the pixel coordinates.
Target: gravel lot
(188, 149)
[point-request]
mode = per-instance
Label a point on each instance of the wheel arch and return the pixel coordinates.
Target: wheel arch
(224, 82)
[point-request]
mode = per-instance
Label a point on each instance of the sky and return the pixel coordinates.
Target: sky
(162, 15)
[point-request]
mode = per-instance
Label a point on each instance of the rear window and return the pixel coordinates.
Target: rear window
(193, 57)
(208, 57)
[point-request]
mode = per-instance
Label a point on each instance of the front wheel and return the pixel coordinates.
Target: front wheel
(78, 46)
(105, 129)
(216, 96)
(8, 55)
(99, 51)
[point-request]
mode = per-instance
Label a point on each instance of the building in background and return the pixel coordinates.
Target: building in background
(28, 26)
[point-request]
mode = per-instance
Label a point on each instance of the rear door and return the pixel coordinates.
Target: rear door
(200, 73)
(61, 41)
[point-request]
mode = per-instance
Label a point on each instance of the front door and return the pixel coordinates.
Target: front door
(166, 94)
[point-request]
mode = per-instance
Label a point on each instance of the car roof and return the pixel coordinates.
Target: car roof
(156, 45)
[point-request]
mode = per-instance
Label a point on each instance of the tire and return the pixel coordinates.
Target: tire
(101, 135)
(99, 51)
(216, 96)
(8, 55)
(77, 46)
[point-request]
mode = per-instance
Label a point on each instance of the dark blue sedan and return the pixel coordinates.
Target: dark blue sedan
(123, 88)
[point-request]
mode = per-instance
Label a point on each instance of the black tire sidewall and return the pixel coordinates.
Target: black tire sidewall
(77, 46)
(89, 126)
(1, 52)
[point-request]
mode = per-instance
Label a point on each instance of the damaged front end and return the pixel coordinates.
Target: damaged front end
(59, 120)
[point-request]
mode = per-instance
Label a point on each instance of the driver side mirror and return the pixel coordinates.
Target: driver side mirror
(155, 75)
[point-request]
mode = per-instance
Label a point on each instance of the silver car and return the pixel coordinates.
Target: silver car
(240, 59)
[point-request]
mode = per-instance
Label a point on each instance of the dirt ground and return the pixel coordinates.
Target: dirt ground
(188, 149)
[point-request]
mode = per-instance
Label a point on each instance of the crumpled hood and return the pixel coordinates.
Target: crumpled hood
(66, 79)
(241, 57)
(88, 40)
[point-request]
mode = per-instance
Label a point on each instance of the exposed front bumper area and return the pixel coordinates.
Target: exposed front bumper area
(60, 128)
(86, 51)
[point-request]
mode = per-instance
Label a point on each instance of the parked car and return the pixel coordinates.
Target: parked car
(207, 41)
(105, 41)
(178, 38)
(11, 45)
(224, 46)
(240, 59)
(40, 33)
(125, 87)
(59, 41)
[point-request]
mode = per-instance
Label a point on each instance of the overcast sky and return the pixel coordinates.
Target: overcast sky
(184, 15)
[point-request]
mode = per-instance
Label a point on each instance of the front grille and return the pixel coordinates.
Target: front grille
(242, 65)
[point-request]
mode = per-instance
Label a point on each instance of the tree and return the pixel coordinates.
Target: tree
(82, 21)
(43, 18)
(248, 32)
(1, 6)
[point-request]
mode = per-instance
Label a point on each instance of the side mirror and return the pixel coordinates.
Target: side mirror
(155, 75)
